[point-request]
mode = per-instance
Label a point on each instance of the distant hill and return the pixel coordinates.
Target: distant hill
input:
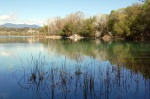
(11, 25)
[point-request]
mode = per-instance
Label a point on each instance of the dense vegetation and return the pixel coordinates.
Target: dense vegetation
(18, 31)
(131, 23)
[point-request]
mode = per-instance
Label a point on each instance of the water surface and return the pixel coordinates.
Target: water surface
(31, 68)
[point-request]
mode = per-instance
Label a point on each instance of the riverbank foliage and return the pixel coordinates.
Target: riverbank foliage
(130, 23)
(18, 31)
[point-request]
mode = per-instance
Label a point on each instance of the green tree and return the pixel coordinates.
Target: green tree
(140, 27)
(121, 20)
(88, 28)
(44, 29)
(67, 30)
(118, 24)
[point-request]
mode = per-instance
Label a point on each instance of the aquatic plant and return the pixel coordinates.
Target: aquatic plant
(84, 80)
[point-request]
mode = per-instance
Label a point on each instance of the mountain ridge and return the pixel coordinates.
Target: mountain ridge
(12, 25)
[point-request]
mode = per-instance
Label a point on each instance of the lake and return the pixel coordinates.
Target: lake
(33, 68)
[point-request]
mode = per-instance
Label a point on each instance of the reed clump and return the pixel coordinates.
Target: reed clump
(84, 80)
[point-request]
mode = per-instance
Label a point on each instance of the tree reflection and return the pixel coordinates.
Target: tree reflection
(18, 39)
(132, 55)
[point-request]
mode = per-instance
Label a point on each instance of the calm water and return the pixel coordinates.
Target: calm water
(31, 68)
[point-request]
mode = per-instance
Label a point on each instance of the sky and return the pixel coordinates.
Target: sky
(38, 11)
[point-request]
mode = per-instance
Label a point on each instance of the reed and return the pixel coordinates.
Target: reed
(85, 80)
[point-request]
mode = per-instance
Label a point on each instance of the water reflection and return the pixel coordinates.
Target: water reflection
(86, 69)
(18, 39)
(132, 55)
(84, 80)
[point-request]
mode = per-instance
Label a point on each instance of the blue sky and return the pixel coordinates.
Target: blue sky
(37, 11)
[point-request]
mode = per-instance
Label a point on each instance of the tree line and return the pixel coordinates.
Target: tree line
(130, 23)
(18, 31)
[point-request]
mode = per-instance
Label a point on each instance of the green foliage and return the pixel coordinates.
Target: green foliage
(18, 31)
(124, 23)
(140, 27)
(67, 29)
(88, 28)
(121, 29)
(61, 33)
(130, 22)
(44, 29)
(138, 21)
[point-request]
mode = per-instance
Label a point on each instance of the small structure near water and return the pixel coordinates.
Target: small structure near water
(75, 37)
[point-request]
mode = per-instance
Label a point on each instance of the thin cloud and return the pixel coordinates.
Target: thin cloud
(10, 17)
(40, 22)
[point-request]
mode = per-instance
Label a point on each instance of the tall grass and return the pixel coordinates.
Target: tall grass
(87, 80)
